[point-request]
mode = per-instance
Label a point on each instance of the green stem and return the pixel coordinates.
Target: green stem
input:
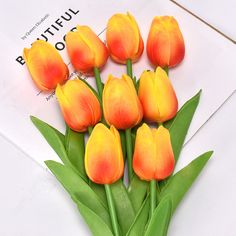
(153, 196)
(98, 82)
(112, 210)
(130, 70)
(166, 69)
(90, 129)
(158, 192)
(129, 151)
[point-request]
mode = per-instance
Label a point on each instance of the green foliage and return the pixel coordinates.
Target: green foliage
(95, 223)
(124, 209)
(79, 189)
(140, 221)
(179, 125)
(159, 222)
(132, 204)
(181, 182)
(75, 148)
(137, 192)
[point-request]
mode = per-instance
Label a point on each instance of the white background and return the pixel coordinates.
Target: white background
(31, 200)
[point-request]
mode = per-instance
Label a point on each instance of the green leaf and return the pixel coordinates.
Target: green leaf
(137, 84)
(181, 182)
(133, 137)
(158, 225)
(137, 192)
(100, 191)
(141, 219)
(179, 125)
(54, 138)
(95, 223)
(123, 205)
(78, 188)
(75, 149)
(123, 142)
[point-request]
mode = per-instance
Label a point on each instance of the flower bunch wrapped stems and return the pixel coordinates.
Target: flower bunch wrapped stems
(129, 122)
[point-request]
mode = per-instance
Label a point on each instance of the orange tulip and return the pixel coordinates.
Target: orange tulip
(165, 44)
(45, 65)
(124, 40)
(121, 105)
(79, 105)
(103, 155)
(153, 155)
(157, 96)
(86, 50)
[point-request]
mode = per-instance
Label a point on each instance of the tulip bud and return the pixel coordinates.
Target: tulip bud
(165, 43)
(153, 154)
(121, 105)
(104, 162)
(157, 96)
(45, 65)
(124, 40)
(86, 50)
(79, 105)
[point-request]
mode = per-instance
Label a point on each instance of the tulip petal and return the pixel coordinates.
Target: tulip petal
(120, 103)
(82, 57)
(79, 105)
(157, 96)
(166, 97)
(148, 96)
(45, 65)
(144, 160)
(120, 168)
(159, 47)
(165, 157)
(70, 116)
(86, 50)
(103, 157)
(153, 154)
(123, 38)
(95, 44)
(165, 44)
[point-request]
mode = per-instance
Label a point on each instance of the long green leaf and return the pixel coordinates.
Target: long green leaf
(137, 192)
(181, 182)
(53, 137)
(124, 208)
(140, 221)
(78, 188)
(75, 149)
(100, 191)
(158, 225)
(123, 143)
(95, 223)
(179, 125)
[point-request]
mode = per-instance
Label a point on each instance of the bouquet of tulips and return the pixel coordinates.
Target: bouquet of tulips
(129, 122)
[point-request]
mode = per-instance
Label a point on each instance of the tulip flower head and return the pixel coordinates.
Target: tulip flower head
(45, 65)
(123, 37)
(153, 155)
(121, 105)
(157, 96)
(79, 105)
(165, 43)
(86, 50)
(103, 155)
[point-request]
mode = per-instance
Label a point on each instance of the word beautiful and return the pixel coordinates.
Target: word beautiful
(52, 30)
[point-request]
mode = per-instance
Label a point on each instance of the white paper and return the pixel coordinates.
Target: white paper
(208, 63)
(220, 14)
